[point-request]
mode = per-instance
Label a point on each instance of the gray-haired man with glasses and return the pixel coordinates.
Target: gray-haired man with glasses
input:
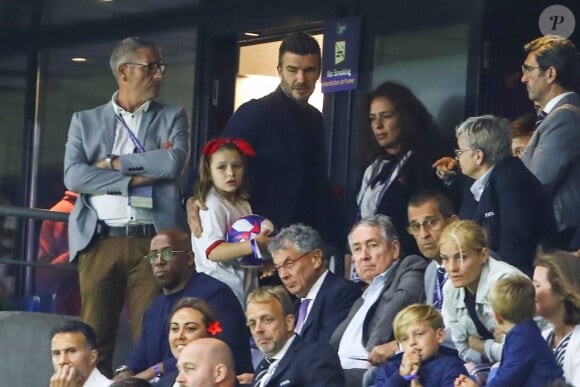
(394, 282)
(172, 261)
(125, 159)
(324, 298)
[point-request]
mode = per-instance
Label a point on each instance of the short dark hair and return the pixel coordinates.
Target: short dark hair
(558, 52)
(75, 326)
(207, 312)
(299, 43)
(443, 203)
(524, 125)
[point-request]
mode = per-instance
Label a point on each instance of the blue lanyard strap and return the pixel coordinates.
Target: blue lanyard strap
(138, 147)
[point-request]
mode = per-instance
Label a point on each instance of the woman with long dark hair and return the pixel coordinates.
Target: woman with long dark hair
(399, 149)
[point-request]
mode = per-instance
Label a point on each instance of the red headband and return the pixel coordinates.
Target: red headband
(214, 145)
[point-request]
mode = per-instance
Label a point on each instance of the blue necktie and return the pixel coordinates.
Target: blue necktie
(540, 118)
(302, 314)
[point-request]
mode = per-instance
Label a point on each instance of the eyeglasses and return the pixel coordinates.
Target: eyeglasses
(289, 264)
(429, 224)
(166, 254)
(151, 67)
(526, 69)
(459, 152)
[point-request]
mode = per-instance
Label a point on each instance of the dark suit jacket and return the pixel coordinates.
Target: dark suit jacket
(515, 209)
(527, 360)
(331, 305)
(403, 286)
(553, 156)
(288, 139)
(308, 365)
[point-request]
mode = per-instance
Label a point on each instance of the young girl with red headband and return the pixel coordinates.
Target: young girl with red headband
(223, 187)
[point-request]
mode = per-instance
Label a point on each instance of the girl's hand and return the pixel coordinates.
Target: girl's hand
(267, 269)
(193, 206)
(263, 240)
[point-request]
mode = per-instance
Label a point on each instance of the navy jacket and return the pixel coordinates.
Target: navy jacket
(153, 345)
(437, 371)
(527, 360)
(516, 211)
(331, 305)
(288, 176)
(308, 365)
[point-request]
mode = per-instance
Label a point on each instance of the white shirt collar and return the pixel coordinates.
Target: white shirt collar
(97, 379)
(479, 185)
(282, 352)
(316, 286)
(551, 103)
(119, 110)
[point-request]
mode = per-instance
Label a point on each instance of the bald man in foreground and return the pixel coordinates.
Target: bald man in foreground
(206, 362)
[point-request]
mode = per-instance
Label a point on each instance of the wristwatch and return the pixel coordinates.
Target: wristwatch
(109, 161)
(122, 369)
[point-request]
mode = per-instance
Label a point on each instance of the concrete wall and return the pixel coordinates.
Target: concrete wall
(25, 347)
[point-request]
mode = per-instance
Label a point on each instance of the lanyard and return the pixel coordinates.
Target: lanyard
(138, 147)
(386, 186)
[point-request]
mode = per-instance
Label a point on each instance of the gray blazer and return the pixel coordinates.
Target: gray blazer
(430, 281)
(91, 137)
(553, 155)
(403, 286)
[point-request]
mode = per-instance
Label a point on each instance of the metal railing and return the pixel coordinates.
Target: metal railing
(29, 245)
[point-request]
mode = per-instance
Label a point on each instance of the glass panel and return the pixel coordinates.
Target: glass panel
(12, 95)
(68, 85)
(433, 64)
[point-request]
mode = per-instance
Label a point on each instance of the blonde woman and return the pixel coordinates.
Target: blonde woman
(472, 273)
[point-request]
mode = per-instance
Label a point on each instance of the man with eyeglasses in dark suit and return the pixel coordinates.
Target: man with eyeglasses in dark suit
(324, 298)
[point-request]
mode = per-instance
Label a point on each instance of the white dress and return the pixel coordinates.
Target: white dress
(216, 221)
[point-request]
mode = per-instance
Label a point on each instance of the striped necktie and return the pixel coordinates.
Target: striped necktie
(262, 370)
(540, 118)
